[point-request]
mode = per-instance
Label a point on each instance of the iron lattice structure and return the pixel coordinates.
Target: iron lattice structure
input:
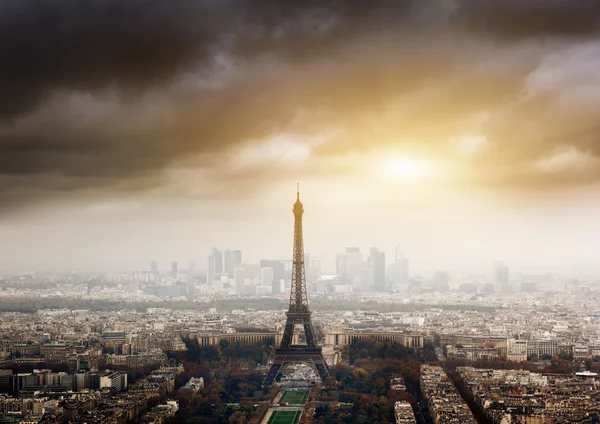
(298, 314)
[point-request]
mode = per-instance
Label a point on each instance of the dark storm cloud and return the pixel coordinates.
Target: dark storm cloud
(138, 49)
(52, 45)
(133, 45)
(106, 94)
(515, 19)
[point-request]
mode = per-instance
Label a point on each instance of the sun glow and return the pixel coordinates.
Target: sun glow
(403, 168)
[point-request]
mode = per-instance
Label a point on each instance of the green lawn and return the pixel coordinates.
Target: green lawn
(294, 398)
(285, 417)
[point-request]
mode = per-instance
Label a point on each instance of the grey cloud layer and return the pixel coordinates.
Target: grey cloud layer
(357, 66)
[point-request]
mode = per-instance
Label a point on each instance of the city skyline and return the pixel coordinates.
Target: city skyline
(299, 211)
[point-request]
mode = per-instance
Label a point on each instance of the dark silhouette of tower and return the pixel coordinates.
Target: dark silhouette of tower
(287, 353)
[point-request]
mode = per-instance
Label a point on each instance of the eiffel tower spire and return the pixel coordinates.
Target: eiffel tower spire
(298, 295)
(298, 313)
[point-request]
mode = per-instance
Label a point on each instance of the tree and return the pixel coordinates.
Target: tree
(238, 418)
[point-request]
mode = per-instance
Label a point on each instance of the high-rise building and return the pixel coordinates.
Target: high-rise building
(214, 265)
(210, 269)
(377, 263)
(441, 281)
(278, 287)
(502, 275)
(279, 268)
(266, 276)
(313, 273)
(218, 260)
(349, 265)
(399, 270)
(239, 277)
(233, 260)
(154, 267)
(174, 269)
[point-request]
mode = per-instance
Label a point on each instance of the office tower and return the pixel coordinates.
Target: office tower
(263, 290)
(239, 277)
(233, 260)
(313, 273)
(278, 287)
(349, 265)
(528, 286)
(237, 258)
(399, 270)
(217, 256)
(502, 275)
(154, 267)
(377, 263)
(214, 265)
(252, 271)
(210, 269)
(228, 266)
(266, 276)
(278, 268)
(174, 269)
(441, 281)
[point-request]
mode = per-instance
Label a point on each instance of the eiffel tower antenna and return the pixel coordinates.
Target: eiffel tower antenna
(298, 313)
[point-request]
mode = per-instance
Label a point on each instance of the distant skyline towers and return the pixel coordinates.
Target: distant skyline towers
(377, 263)
(313, 271)
(154, 267)
(233, 260)
(501, 275)
(399, 269)
(349, 265)
(239, 277)
(218, 260)
(214, 264)
(279, 267)
(266, 276)
(174, 269)
(441, 281)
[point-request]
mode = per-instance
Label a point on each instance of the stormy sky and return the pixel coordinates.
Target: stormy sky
(132, 130)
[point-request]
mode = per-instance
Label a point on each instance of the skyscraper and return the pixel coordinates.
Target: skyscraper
(240, 281)
(441, 281)
(278, 268)
(377, 263)
(214, 265)
(399, 270)
(313, 273)
(210, 269)
(233, 260)
(154, 267)
(502, 275)
(218, 260)
(174, 269)
(237, 258)
(266, 276)
(349, 265)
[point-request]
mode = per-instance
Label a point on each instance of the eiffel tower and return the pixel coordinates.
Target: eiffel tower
(287, 353)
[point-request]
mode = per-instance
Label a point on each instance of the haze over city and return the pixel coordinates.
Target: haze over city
(299, 212)
(466, 131)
